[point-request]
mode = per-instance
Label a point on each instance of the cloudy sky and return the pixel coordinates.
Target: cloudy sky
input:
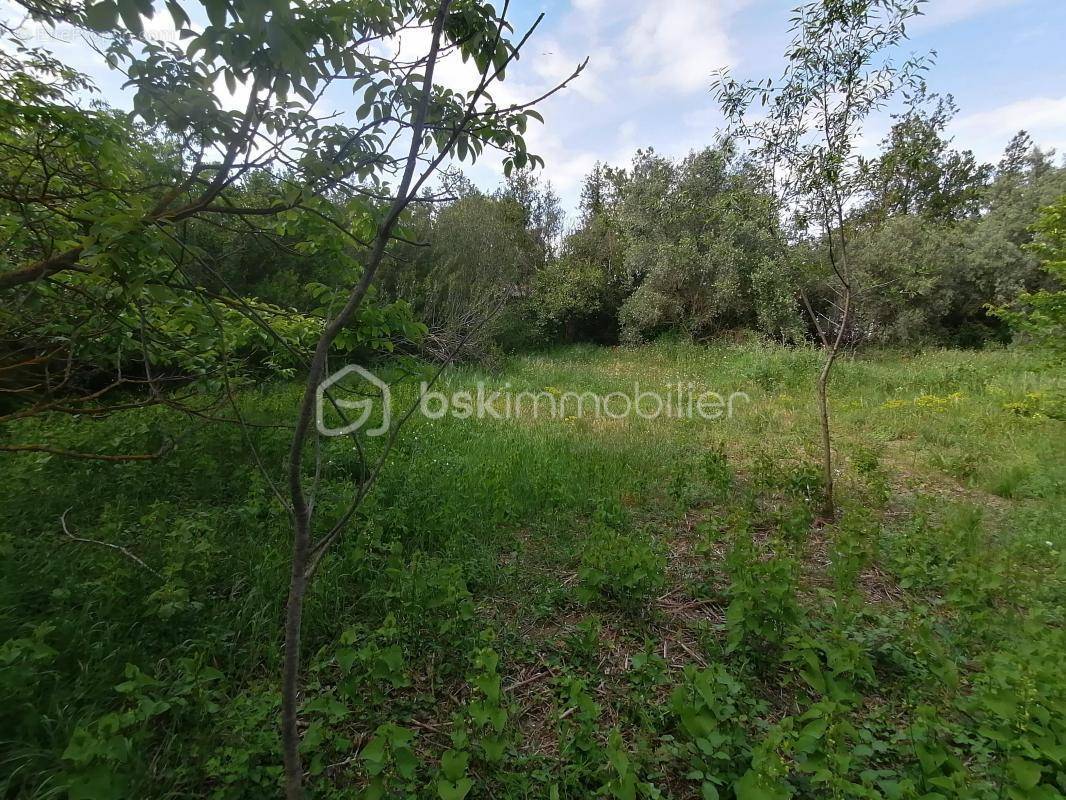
(650, 62)
(648, 78)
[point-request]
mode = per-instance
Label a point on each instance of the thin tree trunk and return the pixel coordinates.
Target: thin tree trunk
(290, 736)
(829, 508)
(814, 319)
(299, 577)
(294, 607)
(307, 555)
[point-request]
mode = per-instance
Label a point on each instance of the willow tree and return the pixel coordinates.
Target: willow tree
(802, 127)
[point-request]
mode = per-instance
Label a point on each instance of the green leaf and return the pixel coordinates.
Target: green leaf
(98, 783)
(752, 786)
(374, 752)
(102, 16)
(131, 15)
(1026, 773)
(347, 656)
(494, 747)
(454, 764)
(216, 12)
(457, 790)
(406, 761)
(177, 13)
(328, 705)
(376, 789)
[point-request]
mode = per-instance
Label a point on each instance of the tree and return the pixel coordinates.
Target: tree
(438, 123)
(1017, 156)
(903, 269)
(108, 290)
(703, 254)
(348, 177)
(917, 171)
(542, 213)
(669, 245)
(803, 128)
(998, 262)
(927, 269)
(131, 319)
(596, 192)
(480, 253)
(1041, 315)
(581, 292)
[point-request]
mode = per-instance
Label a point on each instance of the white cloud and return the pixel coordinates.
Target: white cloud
(706, 118)
(987, 132)
(677, 44)
(554, 62)
(947, 12)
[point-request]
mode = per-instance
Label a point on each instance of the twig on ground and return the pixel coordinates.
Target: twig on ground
(119, 548)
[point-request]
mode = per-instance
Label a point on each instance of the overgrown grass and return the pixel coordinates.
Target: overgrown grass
(565, 608)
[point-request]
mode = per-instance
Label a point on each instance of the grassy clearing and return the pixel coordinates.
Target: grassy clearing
(568, 608)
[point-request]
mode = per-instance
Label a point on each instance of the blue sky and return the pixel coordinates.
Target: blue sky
(648, 79)
(650, 61)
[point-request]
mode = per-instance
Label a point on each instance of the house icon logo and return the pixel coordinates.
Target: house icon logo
(364, 407)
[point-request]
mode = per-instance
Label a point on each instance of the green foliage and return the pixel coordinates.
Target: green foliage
(762, 602)
(567, 290)
(480, 251)
(734, 647)
(710, 706)
(946, 272)
(103, 756)
(455, 783)
(389, 759)
(481, 731)
(693, 247)
(247, 763)
(740, 647)
(487, 711)
(702, 254)
(371, 660)
(1043, 315)
(917, 174)
(188, 243)
(622, 781)
(621, 566)
(718, 473)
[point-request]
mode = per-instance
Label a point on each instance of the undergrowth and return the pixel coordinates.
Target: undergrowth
(563, 609)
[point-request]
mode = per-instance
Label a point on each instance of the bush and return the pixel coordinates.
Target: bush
(621, 567)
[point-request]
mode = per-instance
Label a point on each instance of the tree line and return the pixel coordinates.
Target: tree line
(692, 247)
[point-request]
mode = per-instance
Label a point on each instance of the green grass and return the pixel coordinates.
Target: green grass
(565, 608)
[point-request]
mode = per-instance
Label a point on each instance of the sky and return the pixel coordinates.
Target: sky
(650, 65)
(648, 80)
